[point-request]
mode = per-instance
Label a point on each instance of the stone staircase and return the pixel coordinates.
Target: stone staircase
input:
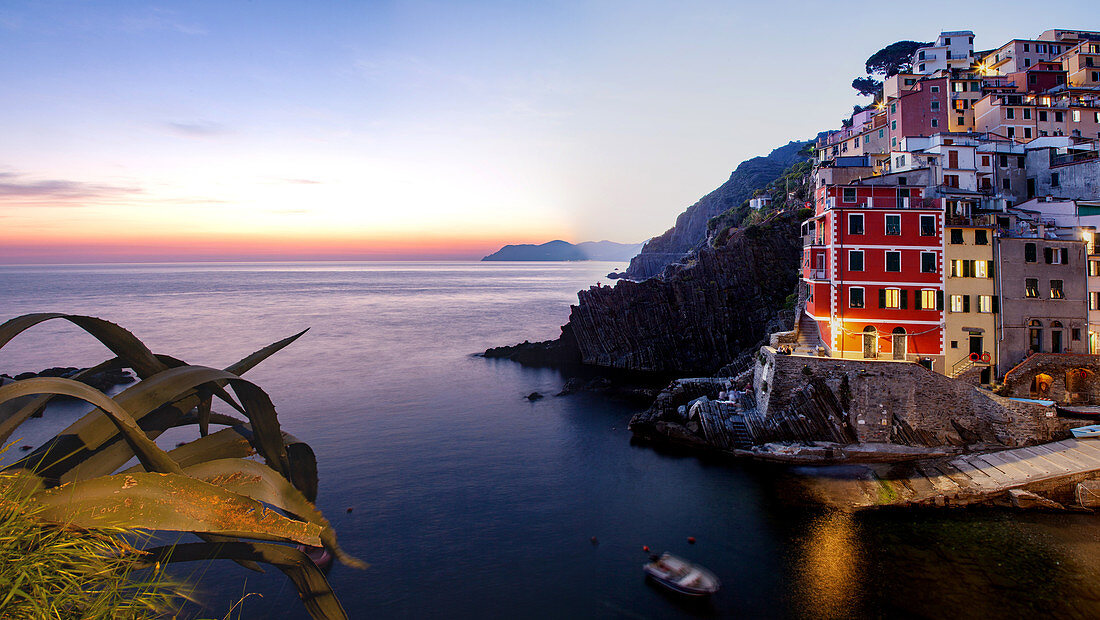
(809, 336)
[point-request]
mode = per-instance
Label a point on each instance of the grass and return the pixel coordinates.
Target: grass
(51, 571)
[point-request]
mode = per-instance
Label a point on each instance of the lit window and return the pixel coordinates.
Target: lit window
(1031, 287)
(892, 299)
(980, 269)
(956, 268)
(928, 300)
(1056, 290)
(1094, 267)
(985, 303)
(956, 303)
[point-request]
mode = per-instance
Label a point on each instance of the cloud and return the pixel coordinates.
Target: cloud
(288, 211)
(302, 181)
(16, 186)
(196, 129)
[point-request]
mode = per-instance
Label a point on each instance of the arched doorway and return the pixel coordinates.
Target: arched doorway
(1040, 386)
(870, 342)
(899, 343)
(1056, 337)
(1035, 336)
(1079, 384)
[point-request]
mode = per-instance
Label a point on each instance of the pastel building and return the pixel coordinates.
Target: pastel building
(952, 50)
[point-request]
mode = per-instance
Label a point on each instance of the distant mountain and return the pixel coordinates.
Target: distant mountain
(558, 250)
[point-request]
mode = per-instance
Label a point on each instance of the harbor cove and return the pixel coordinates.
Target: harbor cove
(363, 310)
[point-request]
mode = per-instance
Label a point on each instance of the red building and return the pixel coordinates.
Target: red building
(873, 259)
(1039, 78)
(921, 111)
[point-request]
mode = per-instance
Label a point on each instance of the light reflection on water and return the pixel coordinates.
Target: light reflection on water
(470, 501)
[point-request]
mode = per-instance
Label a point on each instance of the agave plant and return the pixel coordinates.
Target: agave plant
(242, 509)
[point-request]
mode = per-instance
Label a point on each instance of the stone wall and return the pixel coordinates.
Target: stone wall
(904, 403)
(1084, 388)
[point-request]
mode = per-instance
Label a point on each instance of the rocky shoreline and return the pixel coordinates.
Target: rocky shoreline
(102, 381)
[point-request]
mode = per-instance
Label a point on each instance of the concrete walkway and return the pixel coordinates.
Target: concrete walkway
(966, 479)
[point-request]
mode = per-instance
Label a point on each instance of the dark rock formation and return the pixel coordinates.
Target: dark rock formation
(101, 381)
(699, 315)
(690, 230)
(560, 352)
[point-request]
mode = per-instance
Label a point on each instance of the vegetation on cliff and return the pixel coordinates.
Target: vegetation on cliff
(690, 231)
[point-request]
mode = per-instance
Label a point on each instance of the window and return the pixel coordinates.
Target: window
(1056, 256)
(890, 297)
(954, 344)
(1006, 184)
(893, 224)
(1004, 161)
(1043, 115)
(855, 260)
(935, 89)
(957, 268)
(849, 194)
(1076, 116)
(855, 224)
(1076, 331)
(981, 237)
(985, 303)
(957, 303)
(928, 300)
(1010, 113)
(956, 236)
(1027, 114)
(1020, 162)
(1054, 180)
(959, 87)
(928, 262)
(985, 161)
(855, 297)
(980, 268)
(1027, 132)
(893, 261)
(1029, 253)
(1094, 267)
(893, 125)
(893, 108)
(1094, 300)
(1059, 117)
(1027, 47)
(1011, 132)
(935, 122)
(935, 105)
(1031, 287)
(881, 133)
(1056, 290)
(927, 225)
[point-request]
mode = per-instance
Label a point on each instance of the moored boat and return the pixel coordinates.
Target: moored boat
(681, 576)
(1086, 432)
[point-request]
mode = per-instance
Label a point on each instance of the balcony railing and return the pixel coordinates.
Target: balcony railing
(812, 241)
(882, 202)
(816, 274)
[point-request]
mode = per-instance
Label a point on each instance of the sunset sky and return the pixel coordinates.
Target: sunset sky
(281, 130)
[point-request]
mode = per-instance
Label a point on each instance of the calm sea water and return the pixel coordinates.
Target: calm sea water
(470, 501)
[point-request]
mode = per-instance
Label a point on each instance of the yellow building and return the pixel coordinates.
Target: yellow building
(971, 304)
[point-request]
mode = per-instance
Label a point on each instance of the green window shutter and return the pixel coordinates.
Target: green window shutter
(989, 268)
(968, 269)
(966, 303)
(939, 300)
(1065, 256)
(996, 303)
(882, 298)
(904, 299)
(916, 299)
(1048, 255)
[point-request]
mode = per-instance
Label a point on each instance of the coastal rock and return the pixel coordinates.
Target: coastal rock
(101, 381)
(533, 396)
(697, 316)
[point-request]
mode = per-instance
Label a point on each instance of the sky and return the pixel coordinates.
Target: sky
(225, 130)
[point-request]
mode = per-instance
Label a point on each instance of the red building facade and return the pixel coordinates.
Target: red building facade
(921, 111)
(873, 259)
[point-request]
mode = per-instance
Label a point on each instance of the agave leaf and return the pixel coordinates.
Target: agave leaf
(120, 341)
(264, 484)
(172, 502)
(303, 466)
(150, 455)
(313, 588)
(204, 414)
(13, 416)
(250, 361)
(227, 443)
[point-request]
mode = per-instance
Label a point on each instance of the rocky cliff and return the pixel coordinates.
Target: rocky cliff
(691, 226)
(699, 315)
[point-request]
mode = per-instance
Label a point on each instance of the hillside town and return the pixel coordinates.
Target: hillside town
(954, 220)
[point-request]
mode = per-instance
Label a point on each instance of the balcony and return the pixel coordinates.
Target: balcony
(883, 202)
(812, 241)
(816, 274)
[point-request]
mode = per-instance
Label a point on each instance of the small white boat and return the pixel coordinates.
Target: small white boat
(681, 576)
(1086, 432)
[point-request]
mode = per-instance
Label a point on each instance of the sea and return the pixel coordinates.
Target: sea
(470, 501)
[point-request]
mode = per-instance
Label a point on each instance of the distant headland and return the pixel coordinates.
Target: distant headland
(558, 250)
